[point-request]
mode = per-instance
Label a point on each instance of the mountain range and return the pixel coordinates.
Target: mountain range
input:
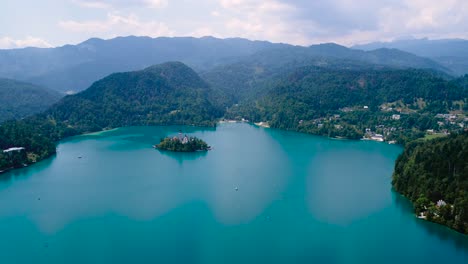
(450, 53)
(73, 68)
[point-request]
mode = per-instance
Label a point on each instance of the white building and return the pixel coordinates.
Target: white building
(396, 117)
(377, 137)
(441, 203)
(14, 149)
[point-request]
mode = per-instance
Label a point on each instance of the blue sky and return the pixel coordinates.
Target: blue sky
(49, 23)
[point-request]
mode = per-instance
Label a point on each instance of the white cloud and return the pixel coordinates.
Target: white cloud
(346, 21)
(117, 4)
(156, 3)
(302, 22)
(118, 25)
(10, 43)
(92, 4)
(264, 20)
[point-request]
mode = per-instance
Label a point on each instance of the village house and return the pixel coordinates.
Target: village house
(371, 135)
(377, 137)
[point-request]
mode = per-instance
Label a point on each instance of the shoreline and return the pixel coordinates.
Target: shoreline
(222, 121)
(259, 124)
(97, 133)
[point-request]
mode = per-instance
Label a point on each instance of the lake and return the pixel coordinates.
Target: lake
(260, 196)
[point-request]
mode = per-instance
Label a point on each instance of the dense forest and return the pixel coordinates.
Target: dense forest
(434, 176)
(250, 77)
(37, 134)
(20, 99)
(169, 93)
(184, 144)
(462, 81)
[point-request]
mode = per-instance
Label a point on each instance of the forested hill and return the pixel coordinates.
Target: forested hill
(20, 99)
(462, 82)
(341, 102)
(249, 77)
(431, 171)
(170, 93)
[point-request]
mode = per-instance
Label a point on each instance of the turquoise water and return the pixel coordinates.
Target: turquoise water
(300, 199)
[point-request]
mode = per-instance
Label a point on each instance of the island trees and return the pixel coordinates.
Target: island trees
(182, 144)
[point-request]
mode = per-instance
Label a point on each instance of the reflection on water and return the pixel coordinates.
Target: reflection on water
(261, 196)
(183, 156)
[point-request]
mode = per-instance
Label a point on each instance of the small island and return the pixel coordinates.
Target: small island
(182, 144)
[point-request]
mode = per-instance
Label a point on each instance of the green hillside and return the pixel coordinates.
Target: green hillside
(430, 171)
(344, 103)
(20, 99)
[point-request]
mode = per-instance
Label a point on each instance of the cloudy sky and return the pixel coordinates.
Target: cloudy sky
(49, 23)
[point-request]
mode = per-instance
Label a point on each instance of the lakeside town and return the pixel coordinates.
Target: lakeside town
(391, 123)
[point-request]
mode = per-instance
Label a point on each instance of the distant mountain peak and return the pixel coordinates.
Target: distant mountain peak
(166, 65)
(91, 41)
(171, 71)
(450, 53)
